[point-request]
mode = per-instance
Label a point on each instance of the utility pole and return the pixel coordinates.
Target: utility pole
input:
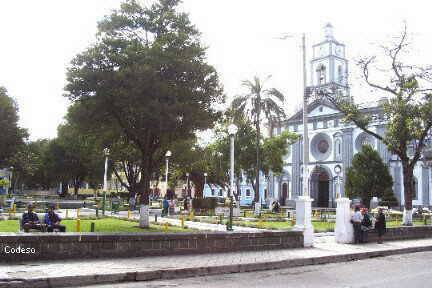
(305, 124)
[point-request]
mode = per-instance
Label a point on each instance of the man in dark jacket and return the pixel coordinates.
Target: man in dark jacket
(52, 220)
(366, 225)
(356, 220)
(380, 225)
(30, 220)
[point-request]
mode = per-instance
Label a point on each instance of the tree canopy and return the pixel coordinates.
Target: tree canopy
(260, 104)
(369, 177)
(12, 137)
(146, 78)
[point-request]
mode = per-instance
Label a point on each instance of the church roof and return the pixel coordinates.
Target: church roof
(364, 107)
(312, 106)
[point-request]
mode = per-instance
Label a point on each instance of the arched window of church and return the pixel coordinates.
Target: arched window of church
(321, 75)
(338, 149)
(415, 188)
(340, 74)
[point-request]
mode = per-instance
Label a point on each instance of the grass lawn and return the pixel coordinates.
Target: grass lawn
(9, 226)
(101, 225)
(285, 225)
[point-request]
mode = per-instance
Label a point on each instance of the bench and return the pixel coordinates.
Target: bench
(41, 220)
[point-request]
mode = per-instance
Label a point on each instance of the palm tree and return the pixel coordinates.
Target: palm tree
(255, 101)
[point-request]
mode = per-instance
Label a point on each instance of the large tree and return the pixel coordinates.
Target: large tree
(369, 177)
(147, 77)
(12, 136)
(261, 104)
(407, 110)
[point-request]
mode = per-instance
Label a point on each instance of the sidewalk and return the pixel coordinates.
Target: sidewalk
(191, 224)
(73, 273)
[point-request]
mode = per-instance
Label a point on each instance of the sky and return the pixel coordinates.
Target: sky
(40, 38)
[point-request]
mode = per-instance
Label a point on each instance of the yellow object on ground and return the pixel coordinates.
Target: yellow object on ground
(78, 225)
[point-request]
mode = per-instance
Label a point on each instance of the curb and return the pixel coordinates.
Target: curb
(81, 280)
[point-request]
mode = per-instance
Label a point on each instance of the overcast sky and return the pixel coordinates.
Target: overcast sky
(39, 39)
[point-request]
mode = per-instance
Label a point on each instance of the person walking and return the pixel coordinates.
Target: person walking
(380, 225)
(276, 207)
(356, 220)
(186, 204)
(132, 202)
(366, 225)
(165, 206)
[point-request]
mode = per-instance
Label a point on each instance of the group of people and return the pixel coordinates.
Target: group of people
(168, 206)
(30, 220)
(362, 223)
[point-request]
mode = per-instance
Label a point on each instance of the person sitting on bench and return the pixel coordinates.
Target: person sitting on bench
(30, 220)
(52, 220)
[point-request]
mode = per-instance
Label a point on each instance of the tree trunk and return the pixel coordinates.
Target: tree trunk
(408, 192)
(144, 199)
(257, 186)
(198, 182)
(237, 194)
(76, 184)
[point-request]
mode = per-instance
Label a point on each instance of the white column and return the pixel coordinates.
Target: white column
(430, 186)
(344, 232)
(303, 219)
(144, 216)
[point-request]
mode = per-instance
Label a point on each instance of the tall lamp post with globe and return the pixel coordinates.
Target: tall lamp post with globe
(10, 191)
(168, 154)
(232, 131)
(105, 183)
(205, 179)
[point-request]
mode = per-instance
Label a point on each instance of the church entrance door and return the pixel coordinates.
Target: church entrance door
(323, 190)
(320, 185)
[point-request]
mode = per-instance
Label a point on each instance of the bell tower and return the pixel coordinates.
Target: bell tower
(329, 67)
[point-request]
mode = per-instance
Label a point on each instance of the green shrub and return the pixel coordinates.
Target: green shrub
(211, 203)
(204, 203)
(197, 203)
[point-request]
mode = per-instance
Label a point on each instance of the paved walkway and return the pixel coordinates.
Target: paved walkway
(84, 272)
(191, 224)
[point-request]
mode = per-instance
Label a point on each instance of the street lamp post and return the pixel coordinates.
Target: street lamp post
(168, 154)
(187, 185)
(10, 191)
(105, 184)
(232, 130)
(304, 202)
(205, 179)
(338, 170)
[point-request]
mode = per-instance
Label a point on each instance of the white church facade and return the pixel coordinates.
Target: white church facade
(333, 143)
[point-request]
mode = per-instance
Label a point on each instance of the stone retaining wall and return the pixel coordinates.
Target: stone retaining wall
(30, 247)
(403, 233)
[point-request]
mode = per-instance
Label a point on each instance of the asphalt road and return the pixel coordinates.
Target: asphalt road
(399, 271)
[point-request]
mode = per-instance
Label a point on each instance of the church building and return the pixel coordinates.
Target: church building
(333, 143)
